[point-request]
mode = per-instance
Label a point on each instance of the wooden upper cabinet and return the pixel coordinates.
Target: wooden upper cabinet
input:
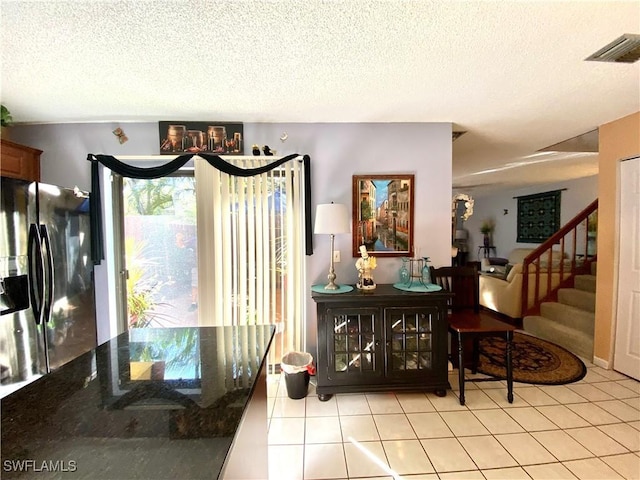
(18, 161)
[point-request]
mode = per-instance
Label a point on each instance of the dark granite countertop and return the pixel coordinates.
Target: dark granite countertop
(150, 403)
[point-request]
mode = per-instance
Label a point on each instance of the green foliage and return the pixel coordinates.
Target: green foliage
(5, 116)
(487, 226)
(141, 286)
(149, 197)
(177, 347)
(162, 196)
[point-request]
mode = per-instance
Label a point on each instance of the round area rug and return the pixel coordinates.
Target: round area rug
(534, 360)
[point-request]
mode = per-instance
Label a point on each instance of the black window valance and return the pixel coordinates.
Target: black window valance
(121, 168)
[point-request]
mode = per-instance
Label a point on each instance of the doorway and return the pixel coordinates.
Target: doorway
(250, 232)
(627, 344)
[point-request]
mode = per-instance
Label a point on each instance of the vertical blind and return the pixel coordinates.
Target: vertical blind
(251, 246)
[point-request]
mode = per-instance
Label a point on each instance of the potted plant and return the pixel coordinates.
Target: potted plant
(487, 229)
(5, 120)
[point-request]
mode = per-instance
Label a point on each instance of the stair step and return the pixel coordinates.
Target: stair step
(585, 282)
(577, 298)
(572, 317)
(576, 341)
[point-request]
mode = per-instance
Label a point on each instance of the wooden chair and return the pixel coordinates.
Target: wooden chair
(467, 321)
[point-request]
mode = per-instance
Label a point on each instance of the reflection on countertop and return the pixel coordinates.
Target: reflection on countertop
(150, 403)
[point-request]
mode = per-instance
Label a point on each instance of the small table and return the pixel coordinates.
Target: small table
(487, 249)
(460, 259)
(467, 322)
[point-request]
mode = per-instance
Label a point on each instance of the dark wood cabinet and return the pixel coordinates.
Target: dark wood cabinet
(18, 161)
(385, 339)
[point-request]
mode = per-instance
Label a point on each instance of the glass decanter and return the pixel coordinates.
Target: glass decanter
(426, 274)
(404, 273)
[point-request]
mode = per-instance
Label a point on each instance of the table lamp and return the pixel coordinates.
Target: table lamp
(331, 218)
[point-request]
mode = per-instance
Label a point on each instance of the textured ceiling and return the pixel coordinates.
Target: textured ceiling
(510, 73)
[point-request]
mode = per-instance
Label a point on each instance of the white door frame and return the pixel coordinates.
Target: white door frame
(615, 324)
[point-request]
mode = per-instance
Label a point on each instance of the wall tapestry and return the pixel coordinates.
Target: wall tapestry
(538, 216)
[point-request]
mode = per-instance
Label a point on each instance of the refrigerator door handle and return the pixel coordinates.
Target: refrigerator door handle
(46, 240)
(36, 272)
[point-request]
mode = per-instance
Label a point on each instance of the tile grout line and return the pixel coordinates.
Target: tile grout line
(619, 421)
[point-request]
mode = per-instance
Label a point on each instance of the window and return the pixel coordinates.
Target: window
(161, 251)
(213, 249)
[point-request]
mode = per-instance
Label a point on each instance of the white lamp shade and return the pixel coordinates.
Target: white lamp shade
(332, 218)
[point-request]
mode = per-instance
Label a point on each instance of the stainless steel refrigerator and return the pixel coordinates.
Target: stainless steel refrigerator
(47, 306)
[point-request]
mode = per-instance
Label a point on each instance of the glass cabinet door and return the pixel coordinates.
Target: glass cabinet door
(410, 339)
(353, 342)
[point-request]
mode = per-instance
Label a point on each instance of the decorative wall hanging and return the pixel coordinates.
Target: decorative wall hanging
(462, 206)
(122, 138)
(383, 215)
(538, 216)
(461, 210)
(195, 137)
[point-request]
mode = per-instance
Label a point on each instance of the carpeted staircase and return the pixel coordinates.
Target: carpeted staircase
(569, 322)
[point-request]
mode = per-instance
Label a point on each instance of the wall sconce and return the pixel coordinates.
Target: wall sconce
(331, 219)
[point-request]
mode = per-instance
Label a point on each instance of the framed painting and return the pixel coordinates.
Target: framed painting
(383, 215)
(216, 138)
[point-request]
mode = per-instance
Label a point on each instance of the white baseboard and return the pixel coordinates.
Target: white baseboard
(599, 362)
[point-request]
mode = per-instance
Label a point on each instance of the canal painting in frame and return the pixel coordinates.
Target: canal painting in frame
(383, 214)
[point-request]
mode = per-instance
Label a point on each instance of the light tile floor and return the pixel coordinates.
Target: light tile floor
(587, 430)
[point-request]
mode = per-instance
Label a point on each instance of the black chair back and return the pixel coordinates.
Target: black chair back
(463, 282)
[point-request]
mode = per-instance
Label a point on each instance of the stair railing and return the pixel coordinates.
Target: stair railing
(553, 268)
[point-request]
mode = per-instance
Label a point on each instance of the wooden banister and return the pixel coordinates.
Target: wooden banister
(576, 251)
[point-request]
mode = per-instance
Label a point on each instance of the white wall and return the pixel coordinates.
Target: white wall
(337, 151)
(65, 147)
(578, 194)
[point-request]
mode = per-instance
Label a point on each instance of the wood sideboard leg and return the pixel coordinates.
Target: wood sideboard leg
(441, 393)
(323, 397)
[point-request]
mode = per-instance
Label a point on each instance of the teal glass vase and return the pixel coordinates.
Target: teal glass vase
(404, 273)
(426, 273)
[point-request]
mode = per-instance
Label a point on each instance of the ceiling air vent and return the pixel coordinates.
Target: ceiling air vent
(625, 49)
